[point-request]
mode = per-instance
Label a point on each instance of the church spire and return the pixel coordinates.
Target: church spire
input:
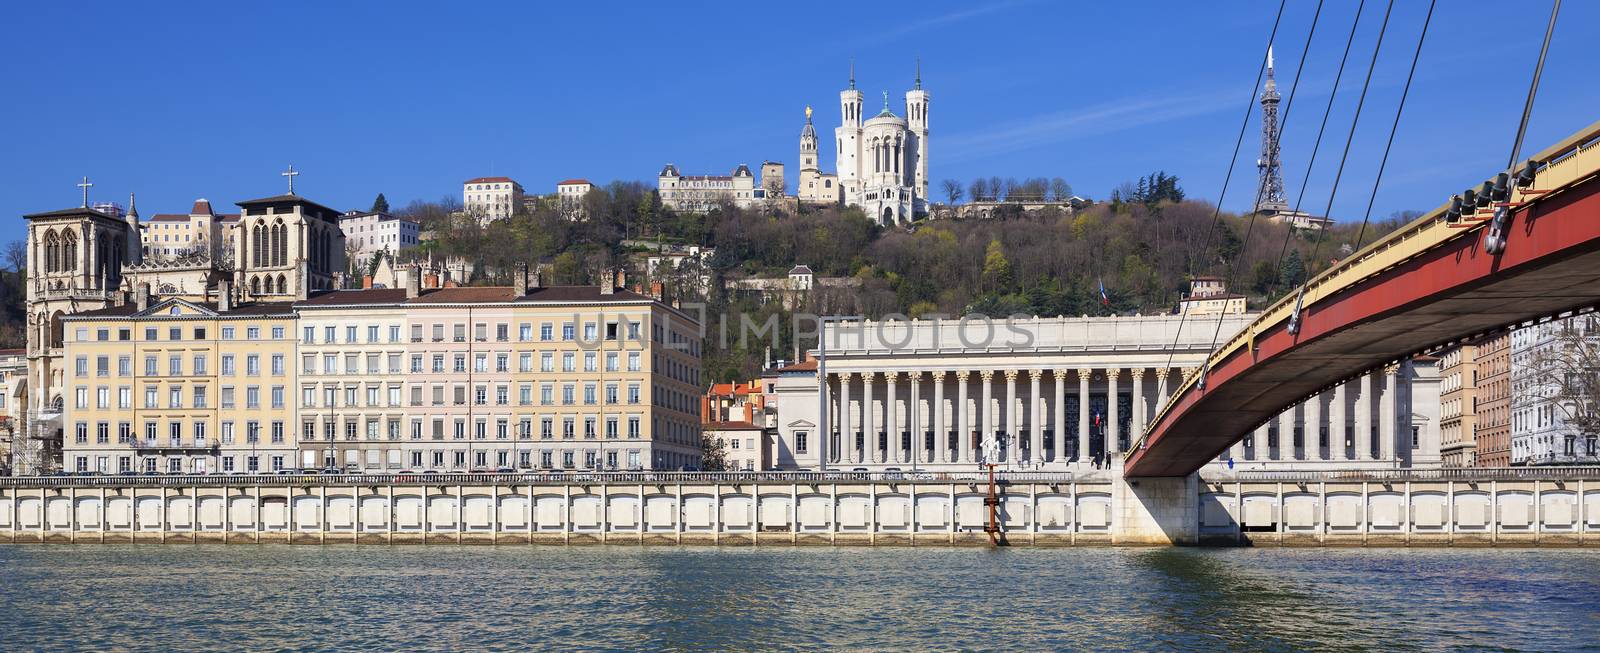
(133, 211)
(919, 73)
(852, 73)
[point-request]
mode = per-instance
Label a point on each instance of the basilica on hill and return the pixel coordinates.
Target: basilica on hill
(881, 161)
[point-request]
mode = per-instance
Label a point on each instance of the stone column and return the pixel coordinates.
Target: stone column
(1286, 434)
(1336, 425)
(1060, 421)
(984, 412)
(1161, 387)
(891, 418)
(1387, 415)
(1083, 414)
(1012, 434)
(914, 417)
(869, 426)
(963, 419)
(1113, 423)
(1259, 445)
(941, 433)
(1138, 405)
(1314, 429)
(1369, 382)
(846, 441)
(1036, 427)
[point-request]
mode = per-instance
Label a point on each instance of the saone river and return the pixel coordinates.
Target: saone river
(250, 598)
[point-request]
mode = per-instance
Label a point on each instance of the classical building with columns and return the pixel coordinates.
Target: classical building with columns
(1062, 393)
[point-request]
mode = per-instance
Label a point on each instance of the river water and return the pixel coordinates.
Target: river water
(264, 598)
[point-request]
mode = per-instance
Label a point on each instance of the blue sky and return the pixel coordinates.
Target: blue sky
(177, 101)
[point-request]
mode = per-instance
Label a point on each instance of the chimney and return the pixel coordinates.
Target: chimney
(621, 278)
(521, 289)
(606, 279)
(224, 296)
(141, 297)
(534, 277)
(366, 282)
(413, 282)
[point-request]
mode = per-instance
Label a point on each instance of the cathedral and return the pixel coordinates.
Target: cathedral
(882, 161)
(277, 248)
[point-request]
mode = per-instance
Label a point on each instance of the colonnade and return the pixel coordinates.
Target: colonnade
(1016, 417)
(1373, 411)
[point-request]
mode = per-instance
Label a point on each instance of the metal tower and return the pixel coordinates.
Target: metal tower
(1269, 194)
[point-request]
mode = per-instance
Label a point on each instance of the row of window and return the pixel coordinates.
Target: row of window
(612, 428)
(198, 365)
(197, 434)
(152, 334)
(199, 396)
(481, 395)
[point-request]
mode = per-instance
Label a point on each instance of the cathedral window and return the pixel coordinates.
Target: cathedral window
(69, 252)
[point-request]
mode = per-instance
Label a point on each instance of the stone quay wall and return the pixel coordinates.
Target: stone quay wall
(743, 509)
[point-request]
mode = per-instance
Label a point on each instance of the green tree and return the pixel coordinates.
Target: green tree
(1293, 270)
(996, 268)
(380, 205)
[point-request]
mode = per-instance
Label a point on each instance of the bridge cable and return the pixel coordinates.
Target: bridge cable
(1393, 128)
(1238, 143)
(1316, 249)
(1233, 269)
(1495, 240)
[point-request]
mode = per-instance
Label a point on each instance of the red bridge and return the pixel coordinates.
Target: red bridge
(1436, 280)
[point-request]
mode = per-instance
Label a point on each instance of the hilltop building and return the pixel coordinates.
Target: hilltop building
(491, 198)
(882, 161)
(701, 193)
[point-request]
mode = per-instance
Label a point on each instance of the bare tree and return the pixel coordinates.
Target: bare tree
(952, 190)
(1060, 191)
(1566, 374)
(17, 255)
(979, 190)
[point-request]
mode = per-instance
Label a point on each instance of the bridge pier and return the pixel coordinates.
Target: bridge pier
(1156, 511)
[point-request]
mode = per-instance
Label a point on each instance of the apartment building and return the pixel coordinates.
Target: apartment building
(180, 387)
(385, 380)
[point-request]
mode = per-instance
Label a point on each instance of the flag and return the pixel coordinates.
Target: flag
(1105, 300)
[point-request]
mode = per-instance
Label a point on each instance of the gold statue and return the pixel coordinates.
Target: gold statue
(808, 113)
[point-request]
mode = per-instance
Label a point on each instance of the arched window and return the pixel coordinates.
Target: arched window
(283, 285)
(283, 244)
(277, 243)
(255, 282)
(255, 246)
(69, 251)
(52, 252)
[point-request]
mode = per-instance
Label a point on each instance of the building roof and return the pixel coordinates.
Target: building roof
(489, 180)
(805, 366)
(169, 217)
(575, 182)
(131, 310)
(470, 295)
(291, 199)
(77, 210)
(800, 269)
(201, 207)
(730, 426)
(13, 352)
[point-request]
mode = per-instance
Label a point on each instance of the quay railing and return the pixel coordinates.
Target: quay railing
(529, 478)
(1556, 473)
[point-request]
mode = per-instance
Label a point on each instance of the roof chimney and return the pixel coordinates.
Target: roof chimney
(414, 282)
(606, 278)
(141, 297)
(521, 289)
(224, 296)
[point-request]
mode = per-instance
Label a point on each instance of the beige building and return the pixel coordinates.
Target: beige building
(815, 187)
(491, 198)
(443, 379)
(1210, 296)
(701, 193)
(744, 445)
(368, 232)
(180, 386)
(569, 197)
(1458, 398)
(13, 404)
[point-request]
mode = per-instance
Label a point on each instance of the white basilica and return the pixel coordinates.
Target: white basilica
(882, 161)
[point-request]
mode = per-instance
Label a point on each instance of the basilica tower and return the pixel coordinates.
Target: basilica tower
(917, 123)
(849, 137)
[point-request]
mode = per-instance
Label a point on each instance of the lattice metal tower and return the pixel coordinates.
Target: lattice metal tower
(1269, 194)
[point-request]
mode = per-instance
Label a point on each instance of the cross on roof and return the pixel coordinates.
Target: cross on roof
(85, 186)
(291, 174)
